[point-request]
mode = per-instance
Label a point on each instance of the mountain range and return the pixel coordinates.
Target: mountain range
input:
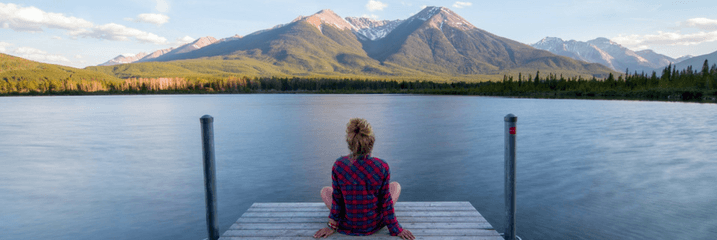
(144, 57)
(608, 53)
(434, 43)
(697, 62)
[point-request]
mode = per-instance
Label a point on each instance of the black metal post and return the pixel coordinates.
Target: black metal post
(210, 186)
(510, 123)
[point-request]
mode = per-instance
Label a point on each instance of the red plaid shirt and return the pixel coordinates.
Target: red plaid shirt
(362, 203)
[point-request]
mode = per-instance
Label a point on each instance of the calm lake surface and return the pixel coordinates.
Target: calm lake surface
(130, 167)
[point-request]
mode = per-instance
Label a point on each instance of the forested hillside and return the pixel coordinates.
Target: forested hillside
(22, 75)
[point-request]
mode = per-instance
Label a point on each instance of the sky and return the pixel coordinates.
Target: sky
(87, 33)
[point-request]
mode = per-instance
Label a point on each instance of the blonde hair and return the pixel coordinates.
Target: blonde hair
(359, 136)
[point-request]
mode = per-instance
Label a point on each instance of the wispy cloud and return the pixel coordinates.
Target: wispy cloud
(701, 23)
(153, 18)
(665, 38)
(39, 55)
(462, 4)
(117, 32)
(374, 5)
(33, 19)
(673, 38)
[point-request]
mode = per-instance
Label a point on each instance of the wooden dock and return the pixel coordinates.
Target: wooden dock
(426, 220)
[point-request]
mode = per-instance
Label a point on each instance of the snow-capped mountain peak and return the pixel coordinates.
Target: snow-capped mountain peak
(364, 22)
(616, 49)
(427, 13)
(372, 29)
(547, 41)
(604, 51)
(440, 16)
(550, 44)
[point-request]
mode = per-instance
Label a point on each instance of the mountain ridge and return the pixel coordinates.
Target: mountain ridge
(13, 68)
(122, 59)
(370, 29)
(608, 53)
(696, 62)
(436, 42)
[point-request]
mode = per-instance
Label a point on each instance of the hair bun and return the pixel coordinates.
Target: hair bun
(359, 136)
(359, 126)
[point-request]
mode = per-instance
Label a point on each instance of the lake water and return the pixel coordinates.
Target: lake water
(130, 167)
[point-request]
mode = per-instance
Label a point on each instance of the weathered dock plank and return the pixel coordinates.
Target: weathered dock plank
(399, 218)
(426, 220)
(317, 225)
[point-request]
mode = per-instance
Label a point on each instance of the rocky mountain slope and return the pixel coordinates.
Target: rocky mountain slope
(696, 62)
(122, 59)
(144, 57)
(607, 53)
(434, 42)
(370, 29)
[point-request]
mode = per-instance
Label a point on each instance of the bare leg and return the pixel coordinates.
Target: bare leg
(326, 193)
(395, 189)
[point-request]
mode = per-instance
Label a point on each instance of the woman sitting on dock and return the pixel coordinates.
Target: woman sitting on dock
(360, 197)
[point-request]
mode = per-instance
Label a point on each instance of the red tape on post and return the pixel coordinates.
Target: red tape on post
(512, 131)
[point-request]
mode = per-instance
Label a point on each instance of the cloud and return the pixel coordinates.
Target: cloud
(162, 6)
(184, 40)
(462, 4)
(78, 56)
(701, 23)
(4, 45)
(33, 19)
(708, 34)
(374, 5)
(57, 37)
(153, 18)
(665, 38)
(372, 16)
(28, 50)
(116, 32)
(39, 55)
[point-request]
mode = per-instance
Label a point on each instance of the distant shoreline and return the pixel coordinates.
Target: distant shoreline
(686, 86)
(676, 97)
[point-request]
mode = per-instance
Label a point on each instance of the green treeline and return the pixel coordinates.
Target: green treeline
(225, 85)
(687, 84)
